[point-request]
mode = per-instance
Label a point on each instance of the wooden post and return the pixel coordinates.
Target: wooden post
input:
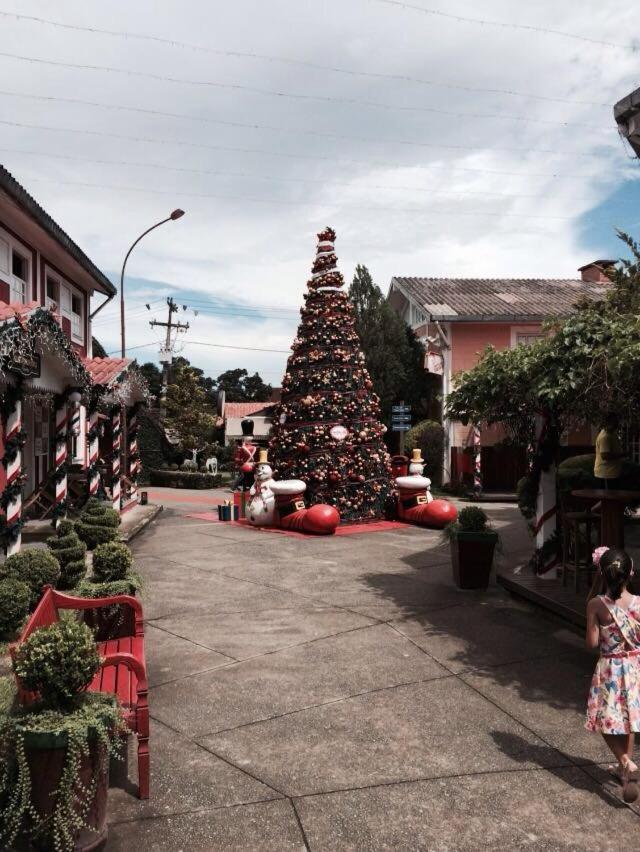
(116, 444)
(13, 467)
(62, 418)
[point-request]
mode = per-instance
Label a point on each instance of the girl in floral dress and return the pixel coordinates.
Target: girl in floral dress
(613, 626)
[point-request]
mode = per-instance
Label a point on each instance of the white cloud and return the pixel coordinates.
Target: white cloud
(252, 239)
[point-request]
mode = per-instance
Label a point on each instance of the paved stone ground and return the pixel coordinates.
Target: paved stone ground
(341, 694)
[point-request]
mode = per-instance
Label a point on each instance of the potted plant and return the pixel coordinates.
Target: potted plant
(54, 776)
(473, 543)
(112, 575)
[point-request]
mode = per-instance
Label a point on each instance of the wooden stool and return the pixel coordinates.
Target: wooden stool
(577, 546)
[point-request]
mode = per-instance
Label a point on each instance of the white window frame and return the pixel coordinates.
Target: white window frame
(520, 331)
(65, 289)
(19, 288)
(417, 315)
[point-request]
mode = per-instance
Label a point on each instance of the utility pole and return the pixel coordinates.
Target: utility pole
(166, 353)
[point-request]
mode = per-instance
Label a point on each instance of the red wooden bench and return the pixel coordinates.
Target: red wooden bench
(123, 670)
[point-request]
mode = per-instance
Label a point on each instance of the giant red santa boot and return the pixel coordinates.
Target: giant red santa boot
(416, 504)
(294, 515)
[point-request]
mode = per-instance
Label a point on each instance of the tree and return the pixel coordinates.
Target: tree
(327, 432)
(393, 354)
(153, 375)
(97, 348)
(239, 386)
(190, 414)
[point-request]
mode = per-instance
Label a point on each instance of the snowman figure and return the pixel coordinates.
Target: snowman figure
(281, 504)
(261, 508)
(416, 504)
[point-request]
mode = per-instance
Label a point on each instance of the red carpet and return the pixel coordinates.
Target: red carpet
(349, 529)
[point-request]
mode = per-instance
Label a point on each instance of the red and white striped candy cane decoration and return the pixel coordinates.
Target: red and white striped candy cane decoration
(62, 418)
(477, 460)
(92, 433)
(14, 472)
(134, 462)
(116, 437)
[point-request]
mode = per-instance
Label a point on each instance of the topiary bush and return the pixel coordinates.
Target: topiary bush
(428, 436)
(472, 519)
(58, 662)
(70, 553)
(98, 523)
(111, 561)
(15, 597)
(35, 567)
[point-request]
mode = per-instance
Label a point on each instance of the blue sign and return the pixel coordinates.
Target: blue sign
(400, 427)
(401, 418)
(400, 409)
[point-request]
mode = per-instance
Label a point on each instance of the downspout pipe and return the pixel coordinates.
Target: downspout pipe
(100, 307)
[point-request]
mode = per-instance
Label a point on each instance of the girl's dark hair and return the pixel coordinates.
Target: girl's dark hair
(616, 566)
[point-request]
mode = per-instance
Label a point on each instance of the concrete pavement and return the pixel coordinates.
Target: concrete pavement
(341, 694)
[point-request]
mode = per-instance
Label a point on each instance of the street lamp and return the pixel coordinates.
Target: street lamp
(176, 214)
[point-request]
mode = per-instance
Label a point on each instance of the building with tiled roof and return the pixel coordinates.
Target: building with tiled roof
(52, 390)
(457, 318)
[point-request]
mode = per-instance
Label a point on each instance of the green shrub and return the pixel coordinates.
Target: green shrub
(112, 561)
(70, 553)
(15, 597)
(93, 535)
(35, 567)
(472, 519)
(91, 589)
(58, 662)
(428, 436)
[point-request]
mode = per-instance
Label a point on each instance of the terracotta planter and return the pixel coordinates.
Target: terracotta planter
(45, 756)
(472, 558)
(111, 622)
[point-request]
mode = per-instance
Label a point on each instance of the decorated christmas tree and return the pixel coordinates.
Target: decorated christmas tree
(326, 427)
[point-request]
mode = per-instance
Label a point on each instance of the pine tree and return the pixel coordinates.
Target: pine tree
(327, 431)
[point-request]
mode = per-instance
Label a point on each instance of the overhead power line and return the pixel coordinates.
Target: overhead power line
(273, 178)
(300, 63)
(287, 202)
(213, 346)
(239, 150)
(462, 19)
(410, 143)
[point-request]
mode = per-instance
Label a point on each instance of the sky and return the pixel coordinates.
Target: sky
(433, 144)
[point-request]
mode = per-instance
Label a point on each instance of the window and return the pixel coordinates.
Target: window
(527, 339)
(15, 268)
(71, 305)
(19, 277)
(52, 296)
(417, 316)
(41, 430)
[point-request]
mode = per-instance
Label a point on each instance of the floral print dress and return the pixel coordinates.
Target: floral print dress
(614, 697)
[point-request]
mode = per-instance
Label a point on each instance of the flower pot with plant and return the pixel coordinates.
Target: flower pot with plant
(56, 746)
(473, 543)
(112, 575)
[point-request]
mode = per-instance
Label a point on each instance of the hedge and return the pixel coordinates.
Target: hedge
(184, 479)
(577, 472)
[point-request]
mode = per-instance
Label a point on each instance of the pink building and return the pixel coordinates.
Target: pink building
(457, 318)
(56, 400)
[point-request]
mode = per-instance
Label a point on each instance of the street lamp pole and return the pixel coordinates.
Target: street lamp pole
(176, 214)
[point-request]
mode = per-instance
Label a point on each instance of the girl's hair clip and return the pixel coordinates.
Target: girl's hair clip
(597, 555)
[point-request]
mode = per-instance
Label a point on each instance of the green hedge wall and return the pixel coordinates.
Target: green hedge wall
(184, 479)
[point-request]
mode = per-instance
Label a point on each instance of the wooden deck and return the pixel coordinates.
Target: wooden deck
(548, 594)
